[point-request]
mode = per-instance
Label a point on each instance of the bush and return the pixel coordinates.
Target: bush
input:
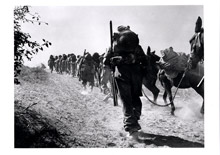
(32, 130)
(43, 66)
(34, 74)
(24, 47)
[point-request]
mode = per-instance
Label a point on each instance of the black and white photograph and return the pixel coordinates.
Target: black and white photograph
(113, 76)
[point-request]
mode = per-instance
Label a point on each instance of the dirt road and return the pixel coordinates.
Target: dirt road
(87, 121)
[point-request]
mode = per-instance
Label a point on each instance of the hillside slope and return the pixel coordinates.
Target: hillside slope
(85, 120)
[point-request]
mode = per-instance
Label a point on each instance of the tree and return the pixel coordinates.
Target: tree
(23, 46)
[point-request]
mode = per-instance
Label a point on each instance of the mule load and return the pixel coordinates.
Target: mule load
(175, 72)
(173, 62)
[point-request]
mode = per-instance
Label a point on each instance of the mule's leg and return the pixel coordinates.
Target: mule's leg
(167, 86)
(200, 91)
(155, 91)
(168, 90)
(166, 83)
(152, 87)
(202, 108)
(99, 79)
(165, 97)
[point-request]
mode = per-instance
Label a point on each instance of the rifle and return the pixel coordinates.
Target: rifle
(113, 81)
(84, 53)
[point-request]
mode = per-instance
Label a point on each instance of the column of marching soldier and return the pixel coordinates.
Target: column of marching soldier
(128, 61)
(87, 68)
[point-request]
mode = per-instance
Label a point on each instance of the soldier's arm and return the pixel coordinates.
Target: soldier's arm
(107, 57)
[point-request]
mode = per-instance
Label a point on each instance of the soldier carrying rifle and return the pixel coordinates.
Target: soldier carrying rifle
(126, 58)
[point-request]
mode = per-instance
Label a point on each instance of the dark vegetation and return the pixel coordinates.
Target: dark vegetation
(32, 130)
(24, 47)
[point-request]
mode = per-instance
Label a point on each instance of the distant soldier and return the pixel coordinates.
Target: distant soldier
(79, 63)
(88, 71)
(64, 63)
(60, 64)
(56, 63)
(73, 64)
(96, 60)
(106, 74)
(51, 63)
(68, 64)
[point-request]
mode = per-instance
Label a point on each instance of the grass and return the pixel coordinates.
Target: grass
(33, 74)
(33, 130)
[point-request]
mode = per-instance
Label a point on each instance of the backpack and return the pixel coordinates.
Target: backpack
(177, 60)
(73, 58)
(126, 41)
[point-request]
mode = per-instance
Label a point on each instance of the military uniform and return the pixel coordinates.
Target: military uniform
(56, 63)
(197, 45)
(68, 64)
(51, 63)
(73, 64)
(105, 78)
(106, 73)
(88, 71)
(127, 57)
(60, 64)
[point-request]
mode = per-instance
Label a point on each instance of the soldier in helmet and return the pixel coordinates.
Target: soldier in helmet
(56, 63)
(197, 45)
(68, 64)
(73, 64)
(127, 58)
(88, 71)
(60, 64)
(106, 75)
(51, 63)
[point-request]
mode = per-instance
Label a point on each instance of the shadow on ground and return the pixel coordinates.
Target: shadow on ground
(170, 141)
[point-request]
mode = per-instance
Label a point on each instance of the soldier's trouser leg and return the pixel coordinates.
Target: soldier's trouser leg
(90, 78)
(105, 78)
(137, 107)
(130, 120)
(83, 77)
(136, 92)
(129, 86)
(73, 70)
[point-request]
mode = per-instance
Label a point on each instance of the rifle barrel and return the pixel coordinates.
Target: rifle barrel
(111, 35)
(113, 81)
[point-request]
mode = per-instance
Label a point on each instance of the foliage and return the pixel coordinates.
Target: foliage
(42, 66)
(34, 130)
(33, 74)
(23, 46)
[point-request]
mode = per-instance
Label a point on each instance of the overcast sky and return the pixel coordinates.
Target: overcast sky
(72, 29)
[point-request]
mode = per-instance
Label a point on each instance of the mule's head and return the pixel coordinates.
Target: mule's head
(152, 60)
